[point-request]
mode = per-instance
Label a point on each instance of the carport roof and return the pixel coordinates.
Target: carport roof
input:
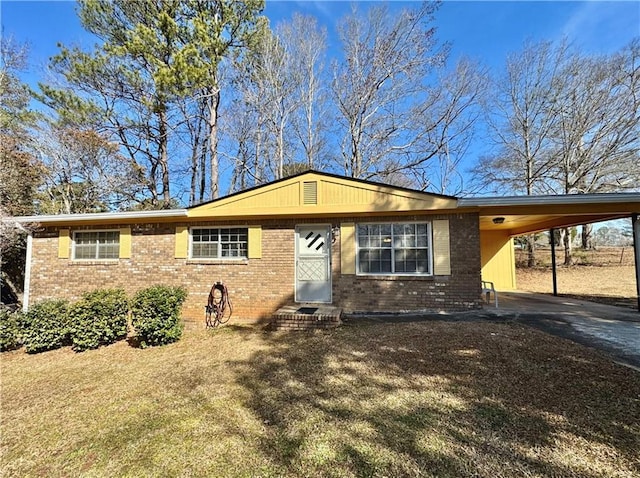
(527, 214)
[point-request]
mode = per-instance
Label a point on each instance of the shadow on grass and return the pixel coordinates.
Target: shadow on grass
(436, 399)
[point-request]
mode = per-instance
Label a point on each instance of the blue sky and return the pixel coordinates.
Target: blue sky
(489, 30)
(485, 31)
(482, 30)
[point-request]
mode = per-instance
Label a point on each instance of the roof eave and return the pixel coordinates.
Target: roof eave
(567, 199)
(100, 216)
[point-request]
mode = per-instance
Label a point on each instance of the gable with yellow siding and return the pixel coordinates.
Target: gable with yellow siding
(313, 194)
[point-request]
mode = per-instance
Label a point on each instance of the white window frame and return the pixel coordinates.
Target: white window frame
(90, 231)
(429, 248)
(220, 257)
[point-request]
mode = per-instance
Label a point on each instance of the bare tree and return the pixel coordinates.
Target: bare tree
(445, 125)
(278, 86)
(387, 58)
(243, 131)
(565, 123)
(193, 134)
(263, 93)
(597, 143)
(306, 45)
(84, 172)
(520, 121)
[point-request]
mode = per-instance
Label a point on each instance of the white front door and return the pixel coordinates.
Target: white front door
(313, 263)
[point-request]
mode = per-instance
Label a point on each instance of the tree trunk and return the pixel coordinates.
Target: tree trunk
(66, 198)
(194, 175)
(587, 237)
(280, 153)
(214, 104)
(163, 154)
(531, 250)
(203, 170)
(566, 233)
(310, 138)
(198, 149)
(153, 184)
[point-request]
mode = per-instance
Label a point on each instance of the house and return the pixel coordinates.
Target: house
(309, 238)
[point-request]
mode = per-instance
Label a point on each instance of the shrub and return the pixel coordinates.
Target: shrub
(99, 318)
(45, 326)
(156, 314)
(9, 329)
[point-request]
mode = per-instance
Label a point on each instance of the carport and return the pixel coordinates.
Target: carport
(503, 218)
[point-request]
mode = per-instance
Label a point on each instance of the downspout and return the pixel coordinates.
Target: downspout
(27, 273)
(553, 261)
(635, 225)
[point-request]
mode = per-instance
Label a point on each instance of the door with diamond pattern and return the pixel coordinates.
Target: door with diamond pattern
(313, 263)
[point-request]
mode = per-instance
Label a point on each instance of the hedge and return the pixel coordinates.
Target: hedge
(156, 315)
(9, 329)
(99, 318)
(45, 326)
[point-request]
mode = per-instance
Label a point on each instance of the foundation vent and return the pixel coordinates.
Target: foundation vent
(310, 192)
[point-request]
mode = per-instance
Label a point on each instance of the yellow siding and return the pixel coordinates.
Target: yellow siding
(441, 248)
(182, 242)
(337, 194)
(377, 198)
(288, 195)
(347, 248)
(255, 242)
(498, 260)
(334, 196)
(264, 200)
(64, 241)
(125, 243)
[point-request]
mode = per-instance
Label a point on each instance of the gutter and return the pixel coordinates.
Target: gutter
(564, 199)
(100, 216)
(27, 274)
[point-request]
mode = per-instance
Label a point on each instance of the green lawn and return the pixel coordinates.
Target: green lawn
(417, 399)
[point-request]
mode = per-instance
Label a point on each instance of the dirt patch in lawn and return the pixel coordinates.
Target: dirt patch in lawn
(414, 399)
(607, 276)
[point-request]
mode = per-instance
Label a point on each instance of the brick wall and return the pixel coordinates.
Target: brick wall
(257, 287)
(459, 291)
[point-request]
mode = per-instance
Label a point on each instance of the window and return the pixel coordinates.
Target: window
(394, 248)
(96, 245)
(219, 243)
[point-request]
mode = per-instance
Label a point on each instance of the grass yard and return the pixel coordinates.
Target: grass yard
(605, 275)
(414, 399)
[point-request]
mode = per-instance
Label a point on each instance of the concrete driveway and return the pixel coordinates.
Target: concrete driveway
(615, 330)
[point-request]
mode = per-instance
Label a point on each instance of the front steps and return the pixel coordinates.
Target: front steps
(307, 317)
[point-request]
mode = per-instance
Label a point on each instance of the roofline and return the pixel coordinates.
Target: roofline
(551, 199)
(99, 216)
(329, 175)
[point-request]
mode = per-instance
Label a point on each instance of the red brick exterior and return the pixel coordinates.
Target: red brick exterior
(258, 287)
(458, 291)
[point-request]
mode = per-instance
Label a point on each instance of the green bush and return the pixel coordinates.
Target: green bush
(99, 318)
(156, 314)
(45, 326)
(9, 329)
